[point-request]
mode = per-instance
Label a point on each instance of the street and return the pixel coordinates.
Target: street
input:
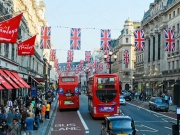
(80, 122)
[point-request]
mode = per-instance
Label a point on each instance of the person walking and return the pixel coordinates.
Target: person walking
(29, 124)
(43, 112)
(6, 110)
(17, 116)
(3, 128)
(23, 118)
(48, 108)
(14, 128)
(10, 117)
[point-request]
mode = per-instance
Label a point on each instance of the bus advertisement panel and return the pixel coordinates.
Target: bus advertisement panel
(103, 95)
(68, 91)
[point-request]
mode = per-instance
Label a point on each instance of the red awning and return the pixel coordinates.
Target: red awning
(1, 88)
(35, 80)
(21, 80)
(8, 79)
(4, 83)
(16, 80)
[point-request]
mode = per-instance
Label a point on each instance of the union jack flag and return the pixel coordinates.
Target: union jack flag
(87, 56)
(68, 66)
(100, 67)
(75, 39)
(170, 41)
(81, 64)
(67, 73)
(105, 39)
(70, 56)
(45, 37)
(52, 58)
(126, 56)
(107, 65)
(77, 70)
(139, 40)
(95, 64)
(90, 66)
(56, 64)
(97, 71)
(52, 52)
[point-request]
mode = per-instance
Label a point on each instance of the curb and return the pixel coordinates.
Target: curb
(48, 129)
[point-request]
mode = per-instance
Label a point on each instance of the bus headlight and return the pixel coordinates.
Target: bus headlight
(95, 110)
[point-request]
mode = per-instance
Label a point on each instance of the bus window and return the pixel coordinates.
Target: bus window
(106, 80)
(68, 79)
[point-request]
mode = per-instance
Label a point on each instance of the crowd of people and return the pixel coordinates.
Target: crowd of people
(25, 113)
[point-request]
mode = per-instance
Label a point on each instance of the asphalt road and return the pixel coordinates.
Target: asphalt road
(72, 122)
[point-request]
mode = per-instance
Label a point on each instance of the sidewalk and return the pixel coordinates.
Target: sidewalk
(44, 129)
(172, 108)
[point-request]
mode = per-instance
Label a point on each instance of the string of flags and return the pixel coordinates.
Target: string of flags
(9, 33)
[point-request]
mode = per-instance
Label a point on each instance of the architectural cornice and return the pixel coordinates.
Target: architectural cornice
(8, 60)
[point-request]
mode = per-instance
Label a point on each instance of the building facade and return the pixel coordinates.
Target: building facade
(161, 68)
(125, 42)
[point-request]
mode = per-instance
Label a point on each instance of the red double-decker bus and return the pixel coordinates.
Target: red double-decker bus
(103, 95)
(68, 91)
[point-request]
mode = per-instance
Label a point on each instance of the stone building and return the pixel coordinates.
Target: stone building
(125, 42)
(161, 68)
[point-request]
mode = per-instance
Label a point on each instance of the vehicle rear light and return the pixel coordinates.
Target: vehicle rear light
(95, 110)
(60, 102)
(118, 110)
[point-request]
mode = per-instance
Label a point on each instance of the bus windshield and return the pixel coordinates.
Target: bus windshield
(106, 80)
(68, 79)
(106, 95)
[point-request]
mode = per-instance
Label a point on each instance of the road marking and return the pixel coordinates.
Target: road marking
(148, 128)
(168, 127)
(82, 120)
(87, 132)
(164, 120)
(149, 121)
(153, 112)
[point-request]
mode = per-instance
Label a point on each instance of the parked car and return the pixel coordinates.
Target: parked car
(118, 125)
(127, 96)
(158, 103)
(122, 100)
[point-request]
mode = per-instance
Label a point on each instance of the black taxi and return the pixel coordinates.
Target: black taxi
(118, 125)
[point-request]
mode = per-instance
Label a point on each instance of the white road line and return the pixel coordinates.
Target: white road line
(164, 120)
(168, 127)
(150, 121)
(82, 120)
(153, 112)
(87, 132)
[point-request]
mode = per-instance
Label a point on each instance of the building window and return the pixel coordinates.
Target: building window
(149, 50)
(33, 64)
(174, 14)
(153, 48)
(126, 40)
(177, 64)
(169, 16)
(169, 65)
(178, 11)
(126, 65)
(142, 57)
(173, 28)
(126, 31)
(159, 48)
(12, 52)
(177, 46)
(148, 69)
(158, 67)
(172, 65)
(6, 50)
(37, 67)
(178, 28)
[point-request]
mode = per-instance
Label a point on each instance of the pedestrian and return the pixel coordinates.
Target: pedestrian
(23, 118)
(14, 128)
(43, 112)
(2, 117)
(166, 99)
(170, 100)
(31, 114)
(10, 117)
(48, 108)
(9, 102)
(29, 124)
(4, 128)
(17, 116)
(6, 110)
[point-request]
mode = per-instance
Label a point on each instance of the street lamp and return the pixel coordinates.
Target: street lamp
(132, 81)
(110, 62)
(86, 71)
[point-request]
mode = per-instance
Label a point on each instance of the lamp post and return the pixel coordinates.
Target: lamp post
(132, 82)
(86, 71)
(110, 62)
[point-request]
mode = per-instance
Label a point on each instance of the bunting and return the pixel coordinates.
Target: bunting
(126, 56)
(170, 41)
(75, 39)
(9, 29)
(87, 56)
(70, 55)
(45, 37)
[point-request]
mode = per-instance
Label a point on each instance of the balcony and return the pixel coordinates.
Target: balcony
(173, 54)
(170, 72)
(138, 75)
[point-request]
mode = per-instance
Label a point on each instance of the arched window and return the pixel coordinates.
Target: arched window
(126, 31)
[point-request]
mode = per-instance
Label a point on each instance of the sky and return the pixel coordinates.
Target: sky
(85, 14)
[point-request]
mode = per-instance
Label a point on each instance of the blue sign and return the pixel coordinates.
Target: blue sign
(60, 91)
(76, 89)
(34, 92)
